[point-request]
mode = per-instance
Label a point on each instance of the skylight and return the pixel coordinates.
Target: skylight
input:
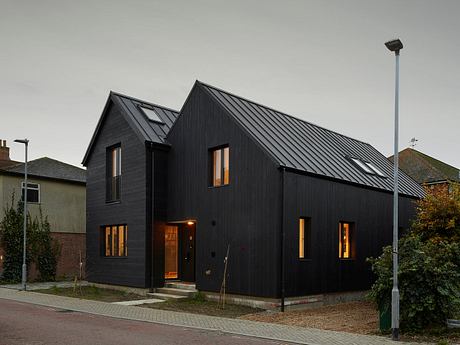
(151, 114)
(363, 166)
(367, 167)
(375, 169)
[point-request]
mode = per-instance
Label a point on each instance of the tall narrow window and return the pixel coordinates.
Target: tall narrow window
(304, 238)
(220, 167)
(113, 173)
(346, 244)
(115, 239)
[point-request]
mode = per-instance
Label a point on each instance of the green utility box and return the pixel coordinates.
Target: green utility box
(384, 319)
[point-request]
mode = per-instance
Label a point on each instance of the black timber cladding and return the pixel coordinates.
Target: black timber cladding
(305, 147)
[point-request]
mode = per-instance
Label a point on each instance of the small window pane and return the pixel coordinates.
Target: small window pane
(226, 165)
(217, 168)
(33, 192)
(304, 238)
(108, 240)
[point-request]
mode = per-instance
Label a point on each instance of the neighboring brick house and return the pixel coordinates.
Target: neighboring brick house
(60, 190)
(428, 171)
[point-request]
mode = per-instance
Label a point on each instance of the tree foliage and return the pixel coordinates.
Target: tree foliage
(429, 266)
(41, 248)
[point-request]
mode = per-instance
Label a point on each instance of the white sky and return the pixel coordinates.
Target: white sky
(321, 61)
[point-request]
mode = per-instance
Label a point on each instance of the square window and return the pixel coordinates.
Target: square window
(115, 240)
(33, 192)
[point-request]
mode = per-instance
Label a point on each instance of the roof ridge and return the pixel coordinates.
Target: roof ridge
(142, 101)
(281, 112)
(49, 158)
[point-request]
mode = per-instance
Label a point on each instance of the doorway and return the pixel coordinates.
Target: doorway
(180, 251)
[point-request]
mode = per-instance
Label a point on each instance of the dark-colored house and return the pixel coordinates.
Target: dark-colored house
(299, 207)
(428, 171)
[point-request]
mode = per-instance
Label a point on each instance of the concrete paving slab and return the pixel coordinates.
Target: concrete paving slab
(140, 301)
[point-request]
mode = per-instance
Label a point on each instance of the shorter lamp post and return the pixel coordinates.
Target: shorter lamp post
(24, 264)
(395, 46)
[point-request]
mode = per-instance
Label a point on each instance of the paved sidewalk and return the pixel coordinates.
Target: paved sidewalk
(242, 327)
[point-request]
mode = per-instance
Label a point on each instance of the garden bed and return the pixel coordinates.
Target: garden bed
(93, 293)
(201, 306)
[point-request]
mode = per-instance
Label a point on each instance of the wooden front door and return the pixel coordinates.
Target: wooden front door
(187, 253)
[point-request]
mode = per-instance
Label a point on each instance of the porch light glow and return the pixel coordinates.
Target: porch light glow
(190, 222)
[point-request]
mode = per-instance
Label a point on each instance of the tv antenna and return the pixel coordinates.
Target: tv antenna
(413, 142)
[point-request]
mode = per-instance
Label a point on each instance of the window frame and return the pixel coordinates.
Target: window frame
(307, 243)
(351, 241)
(103, 241)
(38, 188)
(109, 186)
(224, 156)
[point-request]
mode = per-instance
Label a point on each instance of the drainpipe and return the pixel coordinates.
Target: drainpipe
(282, 259)
(152, 217)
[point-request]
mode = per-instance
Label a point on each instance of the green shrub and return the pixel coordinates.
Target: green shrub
(429, 282)
(429, 265)
(41, 248)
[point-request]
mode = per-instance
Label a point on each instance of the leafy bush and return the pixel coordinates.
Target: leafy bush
(41, 248)
(429, 266)
(11, 239)
(429, 281)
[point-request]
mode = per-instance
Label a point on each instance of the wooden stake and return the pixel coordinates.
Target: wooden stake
(224, 281)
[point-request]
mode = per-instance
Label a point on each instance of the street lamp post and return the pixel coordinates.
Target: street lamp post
(395, 46)
(24, 264)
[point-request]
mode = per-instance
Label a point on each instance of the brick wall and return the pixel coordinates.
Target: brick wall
(71, 245)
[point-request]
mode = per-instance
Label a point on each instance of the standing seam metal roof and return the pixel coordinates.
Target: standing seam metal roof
(300, 145)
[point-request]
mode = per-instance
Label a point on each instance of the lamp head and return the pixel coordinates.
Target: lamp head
(394, 45)
(22, 141)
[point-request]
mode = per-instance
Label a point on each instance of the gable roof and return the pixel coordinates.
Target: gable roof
(146, 129)
(304, 147)
(49, 168)
(426, 169)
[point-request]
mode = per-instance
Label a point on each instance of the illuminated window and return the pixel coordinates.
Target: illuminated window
(113, 188)
(346, 244)
(115, 239)
(304, 238)
(220, 167)
(171, 252)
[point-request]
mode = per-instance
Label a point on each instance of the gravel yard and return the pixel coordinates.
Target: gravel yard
(355, 317)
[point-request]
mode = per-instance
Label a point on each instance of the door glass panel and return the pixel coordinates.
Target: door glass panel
(171, 247)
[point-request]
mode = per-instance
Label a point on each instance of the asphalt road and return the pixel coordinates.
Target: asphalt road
(29, 324)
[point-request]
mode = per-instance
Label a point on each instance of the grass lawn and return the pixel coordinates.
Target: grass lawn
(93, 293)
(200, 306)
